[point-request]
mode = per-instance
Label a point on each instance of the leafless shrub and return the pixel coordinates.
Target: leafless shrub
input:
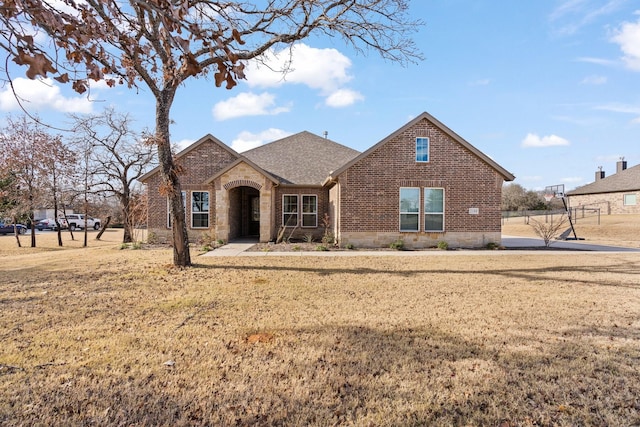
(548, 230)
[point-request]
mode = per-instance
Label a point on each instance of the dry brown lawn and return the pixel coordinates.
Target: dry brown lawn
(104, 336)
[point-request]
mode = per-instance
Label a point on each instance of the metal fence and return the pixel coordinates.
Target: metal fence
(577, 213)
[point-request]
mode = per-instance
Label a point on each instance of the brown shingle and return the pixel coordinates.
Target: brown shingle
(301, 159)
(626, 180)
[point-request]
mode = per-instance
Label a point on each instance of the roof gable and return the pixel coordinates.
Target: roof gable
(208, 138)
(301, 159)
(237, 162)
(426, 116)
(626, 180)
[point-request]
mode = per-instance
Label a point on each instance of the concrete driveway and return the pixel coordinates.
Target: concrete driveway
(514, 242)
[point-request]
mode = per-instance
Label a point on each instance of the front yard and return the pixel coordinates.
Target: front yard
(120, 337)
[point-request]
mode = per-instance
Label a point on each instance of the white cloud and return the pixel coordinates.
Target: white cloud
(42, 94)
(532, 178)
(480, 82)
(572, 179)
(247, 104)
(622, 108)
(343, 98)
(594, 80)
(598, 61)
(566, 7)
(611, 158)
(575, 14)
(324, 70)
(533, 140)
(248, 140)
(628, 38)
(182, 144)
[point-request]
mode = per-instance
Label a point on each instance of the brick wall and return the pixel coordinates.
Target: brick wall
(369, 189)
(198, 164)
(609, 203)
(323, 207)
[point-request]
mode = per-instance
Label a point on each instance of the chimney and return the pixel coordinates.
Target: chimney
(599, 174)
(621, 165)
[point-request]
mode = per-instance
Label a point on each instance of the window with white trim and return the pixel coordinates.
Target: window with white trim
(422, 149)
(309, 211)
(409, 209)
(290, 210)
(630, 199)
(434, 209)
(200, 209)
(184, 207)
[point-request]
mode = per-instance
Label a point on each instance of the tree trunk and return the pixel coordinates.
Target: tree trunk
(127, 237)
(104, 227)
(15, 231)
(56, 220)
(125, 204)
(171, 182)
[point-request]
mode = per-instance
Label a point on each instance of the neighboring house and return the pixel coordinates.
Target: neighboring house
(422, 184)
(615, 194)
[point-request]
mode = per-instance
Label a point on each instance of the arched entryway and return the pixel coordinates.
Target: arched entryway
(244, 213)
(244, 205)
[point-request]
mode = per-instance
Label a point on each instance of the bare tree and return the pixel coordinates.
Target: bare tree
(58, 168)
(8, 198)
(24, 146)
(547, 231)
(161, 44)
(118, 157)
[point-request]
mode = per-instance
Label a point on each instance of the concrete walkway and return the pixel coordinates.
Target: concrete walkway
(517, 244)
(230, 249)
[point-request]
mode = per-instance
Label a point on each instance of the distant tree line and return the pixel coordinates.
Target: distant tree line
(516, 198)
(92, 170)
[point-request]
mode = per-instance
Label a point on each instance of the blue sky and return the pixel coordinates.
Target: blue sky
(548, 89)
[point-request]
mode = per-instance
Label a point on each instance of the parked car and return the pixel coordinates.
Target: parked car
(78, 221)
(9, 228)
(50, 224)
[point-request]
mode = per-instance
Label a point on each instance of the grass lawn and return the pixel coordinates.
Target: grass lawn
(104, 336)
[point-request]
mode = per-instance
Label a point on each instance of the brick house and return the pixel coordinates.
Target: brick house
(422, 184)
(615, 194)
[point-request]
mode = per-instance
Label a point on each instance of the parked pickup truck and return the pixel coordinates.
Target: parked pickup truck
(78, 221)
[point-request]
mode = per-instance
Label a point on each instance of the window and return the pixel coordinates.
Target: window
(409, 209)
(433, 209)
(290, 210)
(422, 149)
(184, 206)
(200, 209)
(630, 200)
(309, 211)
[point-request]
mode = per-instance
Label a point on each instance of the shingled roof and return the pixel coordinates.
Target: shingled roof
(301, 159)
(626, 180)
